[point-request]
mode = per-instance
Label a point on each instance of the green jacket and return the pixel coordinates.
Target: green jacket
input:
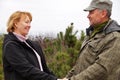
(99, 57)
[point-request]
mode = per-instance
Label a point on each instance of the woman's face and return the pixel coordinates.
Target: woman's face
(22, 27)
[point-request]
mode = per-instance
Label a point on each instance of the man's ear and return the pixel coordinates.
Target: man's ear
(104, 13)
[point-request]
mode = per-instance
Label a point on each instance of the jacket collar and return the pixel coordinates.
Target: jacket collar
(111, 26)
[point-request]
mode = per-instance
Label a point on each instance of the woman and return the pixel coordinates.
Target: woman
(23, 59)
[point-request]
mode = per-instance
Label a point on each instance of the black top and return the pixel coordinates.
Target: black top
(20, 61)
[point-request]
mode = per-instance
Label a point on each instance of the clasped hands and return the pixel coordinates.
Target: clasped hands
(63, 79)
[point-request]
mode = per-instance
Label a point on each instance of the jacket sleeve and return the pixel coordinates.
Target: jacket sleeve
(105, 63)
(17, 59)
(38, 48)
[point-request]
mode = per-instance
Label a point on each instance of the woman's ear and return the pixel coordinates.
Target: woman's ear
(15, 24)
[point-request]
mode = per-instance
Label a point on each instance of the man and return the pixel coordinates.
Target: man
(99, 57)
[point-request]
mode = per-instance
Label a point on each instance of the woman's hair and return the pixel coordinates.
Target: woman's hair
(15, 17)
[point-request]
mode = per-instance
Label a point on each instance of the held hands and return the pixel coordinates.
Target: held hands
(63, 79)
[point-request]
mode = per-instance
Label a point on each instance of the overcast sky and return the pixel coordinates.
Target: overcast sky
(52, 16)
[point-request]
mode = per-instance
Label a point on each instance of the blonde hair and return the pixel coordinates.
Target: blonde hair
(15, 17)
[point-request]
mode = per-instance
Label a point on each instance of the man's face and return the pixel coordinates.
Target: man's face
(95, 17)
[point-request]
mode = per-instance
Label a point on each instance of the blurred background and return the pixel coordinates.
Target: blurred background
(58, 26)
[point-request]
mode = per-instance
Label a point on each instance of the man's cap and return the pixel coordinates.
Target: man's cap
(99, 4)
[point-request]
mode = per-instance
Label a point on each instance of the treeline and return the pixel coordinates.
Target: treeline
(60, 52)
